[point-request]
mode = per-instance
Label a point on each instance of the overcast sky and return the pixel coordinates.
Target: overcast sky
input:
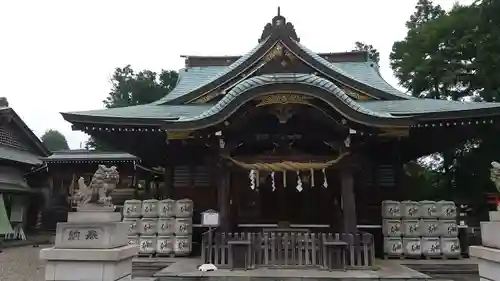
(58, 56)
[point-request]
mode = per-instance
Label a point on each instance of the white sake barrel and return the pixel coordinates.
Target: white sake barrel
(133, 225)
(428, 209)
(184, 208)
(183, 226)
(431, 246)
(448, 228)
(164, 245)
(410, 209)
(133, 239)
(393, 246)
(411, 228)
(446, 210)
(412, 246)
(150, 208)
(182, 245)
(450, 247)
(166, 208)
(391, 209)
(391, 227)
(132, 208)
(147, 244)
(429, 228)
(148, 226)
(166, 226)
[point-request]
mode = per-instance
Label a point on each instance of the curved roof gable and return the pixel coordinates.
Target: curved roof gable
(358, 76)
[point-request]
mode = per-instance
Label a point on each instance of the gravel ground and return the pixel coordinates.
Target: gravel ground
(21, 264)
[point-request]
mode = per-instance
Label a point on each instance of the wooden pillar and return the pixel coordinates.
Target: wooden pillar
(168, 179)
(223, 182)
(348, 201)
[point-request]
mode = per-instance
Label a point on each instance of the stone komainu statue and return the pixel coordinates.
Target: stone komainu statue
(99, 188)
(495, 174)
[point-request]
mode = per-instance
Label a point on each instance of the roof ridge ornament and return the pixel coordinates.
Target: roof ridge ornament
(279, 25)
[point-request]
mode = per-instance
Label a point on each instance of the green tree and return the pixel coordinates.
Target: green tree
(373, 54)
(54, 140)
(439, 59)
(134, 88)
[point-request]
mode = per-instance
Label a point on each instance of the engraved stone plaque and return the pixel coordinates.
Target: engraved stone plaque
(91, 235)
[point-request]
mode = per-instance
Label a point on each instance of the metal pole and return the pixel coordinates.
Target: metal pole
(210, 244)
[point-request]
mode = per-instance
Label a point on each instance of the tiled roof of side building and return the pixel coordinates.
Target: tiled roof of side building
(86, 155)
(20, 156)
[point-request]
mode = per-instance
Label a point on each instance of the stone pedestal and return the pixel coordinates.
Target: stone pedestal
(91, 246)
(488, 254)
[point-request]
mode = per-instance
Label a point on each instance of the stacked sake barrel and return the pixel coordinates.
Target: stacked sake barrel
(415, 229)
(439, 229)
(182, 227)
(160, 227)
(391, 228)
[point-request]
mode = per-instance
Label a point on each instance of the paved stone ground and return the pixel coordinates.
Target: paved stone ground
(21, 264)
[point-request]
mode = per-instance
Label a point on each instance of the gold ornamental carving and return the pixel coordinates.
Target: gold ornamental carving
(179, 135)
(356, 95)
(395, 132)
(283, 99)
(278, 52)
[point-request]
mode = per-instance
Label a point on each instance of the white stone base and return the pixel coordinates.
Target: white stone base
(488, 262)
(489, 234)
(89, 264)
(105, 235)
(495, 216)
(86, 217)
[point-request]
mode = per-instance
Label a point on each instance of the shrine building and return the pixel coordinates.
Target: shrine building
(285, 134)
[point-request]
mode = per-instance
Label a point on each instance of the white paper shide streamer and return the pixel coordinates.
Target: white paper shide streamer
(273, 181)
(325, 181)
(253, 177)
(299, 182)
(312, 177)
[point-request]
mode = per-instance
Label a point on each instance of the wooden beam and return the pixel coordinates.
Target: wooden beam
(348, 201)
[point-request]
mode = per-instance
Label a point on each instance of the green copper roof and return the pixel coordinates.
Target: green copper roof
(296, 78)
(149, 111)
(82, 155)
(363, 72)
(207, 75)
(192, 78)
(423, 106)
